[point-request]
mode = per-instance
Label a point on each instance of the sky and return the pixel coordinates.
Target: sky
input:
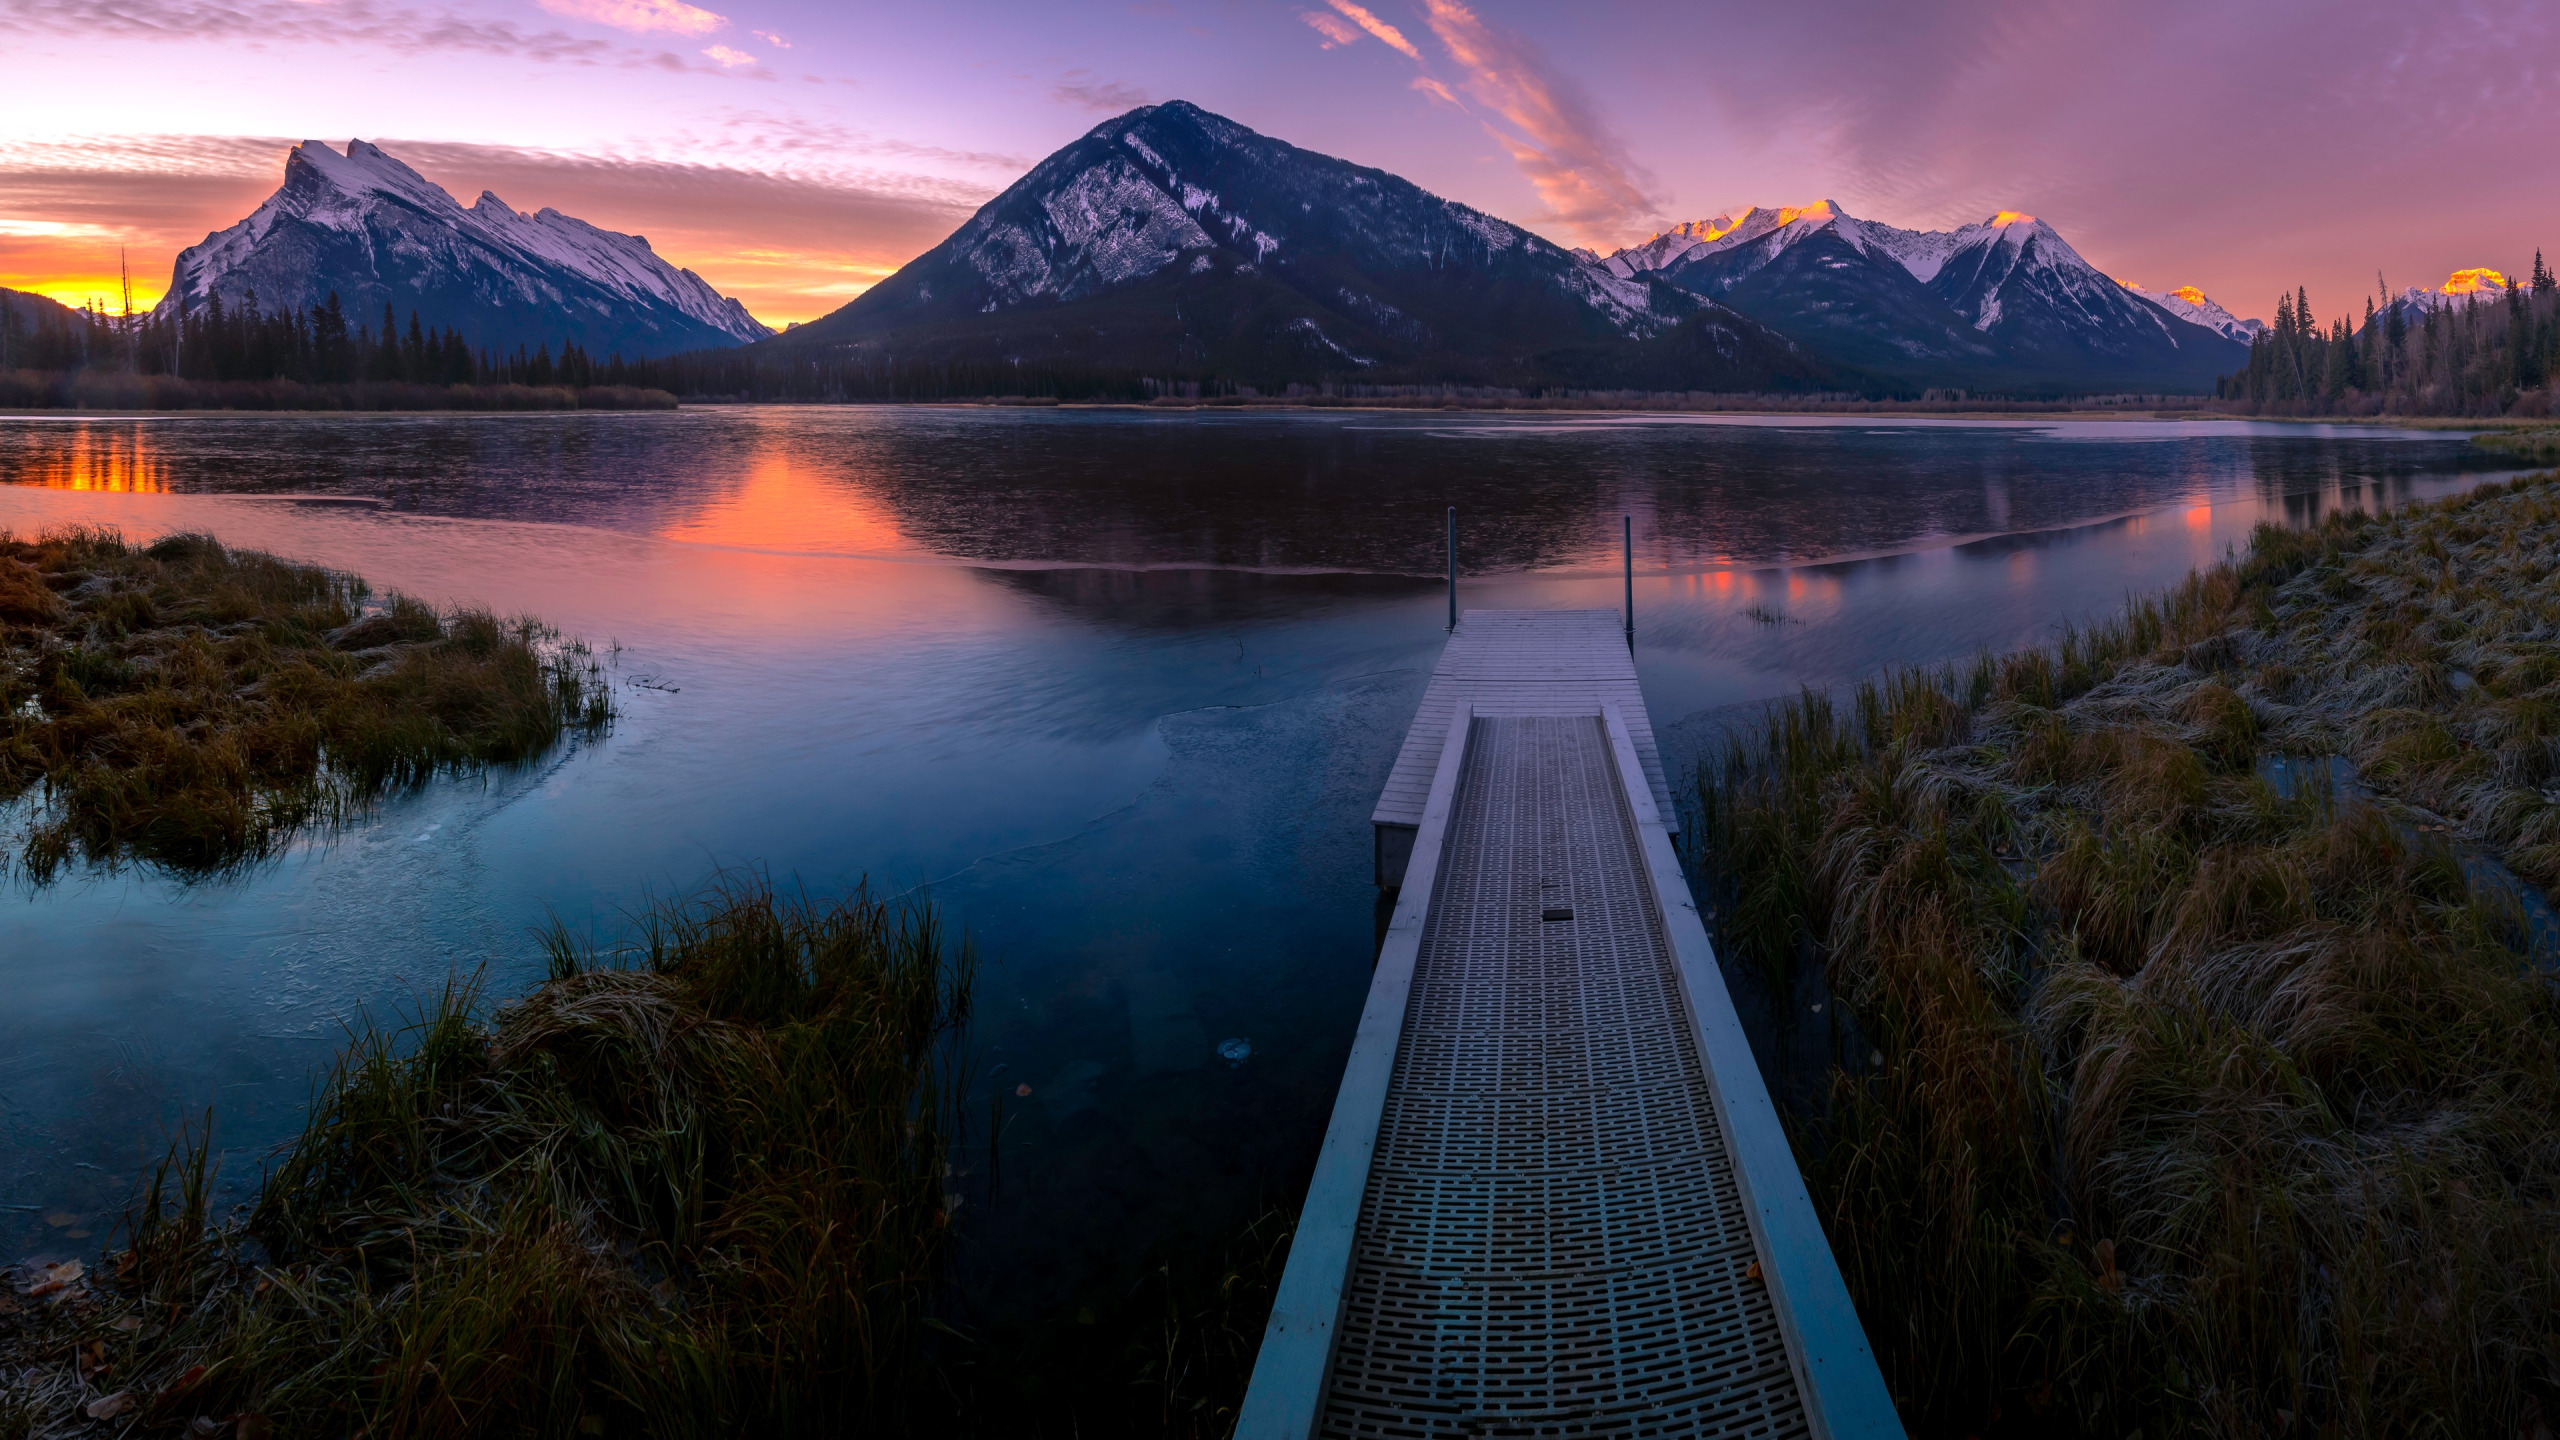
(794, 152)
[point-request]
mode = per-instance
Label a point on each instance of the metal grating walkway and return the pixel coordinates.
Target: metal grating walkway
(1552, 1163)
(1551, 1241)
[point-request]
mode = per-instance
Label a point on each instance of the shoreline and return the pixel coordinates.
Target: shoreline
(2023, 412)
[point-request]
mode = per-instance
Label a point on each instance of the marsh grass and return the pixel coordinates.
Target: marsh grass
(690, 1186)
(189, 706)
(2541, 446)
(2181, 1100)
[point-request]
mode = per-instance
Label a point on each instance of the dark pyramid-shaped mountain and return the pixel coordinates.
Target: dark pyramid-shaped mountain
(1170, 241)
(375, 232)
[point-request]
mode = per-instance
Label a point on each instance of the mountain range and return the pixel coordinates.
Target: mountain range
(374, 232)
(1174, 240)
(1175, 243)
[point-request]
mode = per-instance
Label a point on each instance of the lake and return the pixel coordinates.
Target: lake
(1117, 688)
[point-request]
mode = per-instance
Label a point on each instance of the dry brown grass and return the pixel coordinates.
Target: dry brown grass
(691, 1186)
(2179, 1099)
(191, 707)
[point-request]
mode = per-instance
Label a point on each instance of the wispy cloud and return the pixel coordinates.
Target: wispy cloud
(729, 57)
(1436, 91)
(641, 17)
(1081, 89)
(1581, 171)
(768, 37)
(1387, 34)
(1335, 30)
(353, 24)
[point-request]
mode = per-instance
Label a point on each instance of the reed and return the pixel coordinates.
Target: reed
(2182, 1092)
(692, 1185)
(192, 707)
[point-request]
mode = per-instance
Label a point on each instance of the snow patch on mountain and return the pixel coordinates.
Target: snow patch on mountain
(2196, 308)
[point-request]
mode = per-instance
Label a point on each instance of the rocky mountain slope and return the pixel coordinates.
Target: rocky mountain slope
(2004, 304)
(1172, 241)
(376, 232)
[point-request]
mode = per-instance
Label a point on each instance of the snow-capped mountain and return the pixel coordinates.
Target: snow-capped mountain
(376, 232)
(2006, 302)
(2479, 285)
(1170, 240)
(2196, 308)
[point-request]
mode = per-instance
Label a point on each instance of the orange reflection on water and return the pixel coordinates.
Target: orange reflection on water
(2199, 517)
(119, 458)
(777, 506)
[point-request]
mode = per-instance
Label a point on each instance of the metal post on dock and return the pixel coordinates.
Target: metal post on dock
(1631, 579)
(1453, 568)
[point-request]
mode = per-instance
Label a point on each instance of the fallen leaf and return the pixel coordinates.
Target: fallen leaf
(180, 1386)
(1753, 1273)
(55, 1277)
(75, 1234)
(60, 1218)
(204, 1427)
(1021, 1089)
(109, 1407)
(129, 1323)
(253, 1427)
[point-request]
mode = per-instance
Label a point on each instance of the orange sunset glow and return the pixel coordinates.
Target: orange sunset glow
(118, 458)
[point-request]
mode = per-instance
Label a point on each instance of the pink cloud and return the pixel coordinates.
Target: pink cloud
(642, 17)
(1331, 27)
(1387, 34)
(729, 57)
(1581, 171)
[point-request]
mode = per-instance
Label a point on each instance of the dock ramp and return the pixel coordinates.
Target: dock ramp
(1554, 1198)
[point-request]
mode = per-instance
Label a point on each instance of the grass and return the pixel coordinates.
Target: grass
(693, 1186)
(2540, 446)
(191, 707)
(2172, 1098)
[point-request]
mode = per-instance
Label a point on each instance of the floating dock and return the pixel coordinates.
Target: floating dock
(1554, 1198)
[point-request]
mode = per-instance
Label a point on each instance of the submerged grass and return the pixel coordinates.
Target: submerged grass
(190, 706)
(694, 1186)
(2184, 1093)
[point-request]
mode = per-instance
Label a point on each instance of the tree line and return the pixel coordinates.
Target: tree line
(2460, 355)
(241, 340)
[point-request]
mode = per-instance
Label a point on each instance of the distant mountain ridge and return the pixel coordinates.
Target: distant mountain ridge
(2004, 303)
(1170, 240)
(375, 232)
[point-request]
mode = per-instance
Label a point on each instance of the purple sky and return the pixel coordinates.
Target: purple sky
(794, 152)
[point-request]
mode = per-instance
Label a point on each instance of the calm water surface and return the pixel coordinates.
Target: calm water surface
(1119, 687)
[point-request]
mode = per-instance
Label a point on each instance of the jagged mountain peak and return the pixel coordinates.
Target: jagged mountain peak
(2197, 308)
(366, 227)
(2004, 300)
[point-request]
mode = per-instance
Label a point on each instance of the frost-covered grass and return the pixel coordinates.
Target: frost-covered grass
(190, 706)
(2172, 1098)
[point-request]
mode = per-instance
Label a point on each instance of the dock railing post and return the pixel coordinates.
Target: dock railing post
(1453, 569)
(1631, 579)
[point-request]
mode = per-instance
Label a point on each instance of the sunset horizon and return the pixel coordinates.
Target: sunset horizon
(777, 156)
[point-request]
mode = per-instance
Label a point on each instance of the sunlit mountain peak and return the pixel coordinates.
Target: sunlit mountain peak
(2481, 281)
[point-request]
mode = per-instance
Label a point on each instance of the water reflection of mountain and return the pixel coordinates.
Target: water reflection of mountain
(1280, 492)
(1369, 494)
